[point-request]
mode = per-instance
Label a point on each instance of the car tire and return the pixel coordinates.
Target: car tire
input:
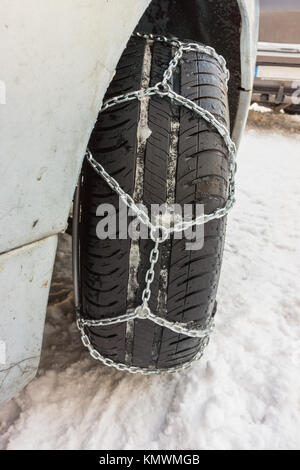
(292, 109)
(173, 156)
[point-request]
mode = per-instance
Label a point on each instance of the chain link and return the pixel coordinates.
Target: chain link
(159, 233)
(134, 369)
(144, 313)
(188, 47)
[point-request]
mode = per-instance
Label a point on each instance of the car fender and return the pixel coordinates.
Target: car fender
(56, 61)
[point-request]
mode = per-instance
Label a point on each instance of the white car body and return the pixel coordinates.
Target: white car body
(57, 59)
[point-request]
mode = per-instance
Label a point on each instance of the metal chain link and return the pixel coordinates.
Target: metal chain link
(149, 278)
(160, 233)
(134, 369)
(190, 46)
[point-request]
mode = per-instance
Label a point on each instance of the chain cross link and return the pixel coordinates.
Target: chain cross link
(160, 233)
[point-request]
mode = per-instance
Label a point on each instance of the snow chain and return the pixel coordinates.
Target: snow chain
(159, 233)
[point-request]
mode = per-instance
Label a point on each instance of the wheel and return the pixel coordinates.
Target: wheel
(158, 152)
(292, 109)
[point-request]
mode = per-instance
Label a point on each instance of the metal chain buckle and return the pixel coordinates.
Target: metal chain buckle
(159, 233)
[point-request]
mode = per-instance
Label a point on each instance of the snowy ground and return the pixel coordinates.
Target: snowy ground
(244, 394)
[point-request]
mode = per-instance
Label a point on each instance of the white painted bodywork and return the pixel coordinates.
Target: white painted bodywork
(25, 277)
(249, 36)
(56, 60)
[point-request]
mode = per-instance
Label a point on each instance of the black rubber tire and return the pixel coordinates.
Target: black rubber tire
(201, 176)
(292, 109)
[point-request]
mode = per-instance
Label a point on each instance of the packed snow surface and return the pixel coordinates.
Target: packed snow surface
(244, 394)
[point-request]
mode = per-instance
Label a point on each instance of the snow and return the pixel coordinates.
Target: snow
(244, 394)
(260, 109)
(143, 131)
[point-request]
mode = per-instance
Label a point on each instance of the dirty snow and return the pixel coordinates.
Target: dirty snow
(259, 108)
(143, 131)
(244, 394)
